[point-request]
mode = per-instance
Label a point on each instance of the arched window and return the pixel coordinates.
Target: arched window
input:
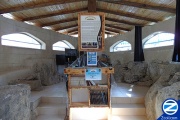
(120, 46)
(159, 39)
(24, 40)
(61, 45)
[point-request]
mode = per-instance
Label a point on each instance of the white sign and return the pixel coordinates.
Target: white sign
(91, 31)
(93, 74)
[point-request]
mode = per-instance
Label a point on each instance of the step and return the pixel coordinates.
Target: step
(86, 113)
(128, 109)
(127, 100)
(50, 117)
(129, 118)
(51, 109)
(54, 100)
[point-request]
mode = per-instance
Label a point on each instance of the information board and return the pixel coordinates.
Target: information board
(91, 31)
(93, 74)
(91, 58)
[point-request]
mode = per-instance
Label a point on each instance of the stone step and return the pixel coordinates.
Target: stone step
(86, 113)
(50, 117)
(54, 100)
(51, 109)
(139, 100)
(129, 118)
(128, 109)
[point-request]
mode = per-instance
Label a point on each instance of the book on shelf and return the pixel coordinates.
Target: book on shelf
(98, 97)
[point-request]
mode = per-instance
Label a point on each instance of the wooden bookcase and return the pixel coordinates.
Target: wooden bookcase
(82, 95)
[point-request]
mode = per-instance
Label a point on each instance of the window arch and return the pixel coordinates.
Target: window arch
(24, 40)
(61, 45)
(158, 39)
(120, 46)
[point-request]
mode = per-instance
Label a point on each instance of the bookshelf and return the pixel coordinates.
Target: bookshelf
(86, 93)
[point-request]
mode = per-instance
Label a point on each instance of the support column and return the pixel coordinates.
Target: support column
(138, 49)
(176, 53)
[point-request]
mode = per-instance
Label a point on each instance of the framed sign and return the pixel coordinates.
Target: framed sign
(91, 58)
(91, 31)
(93, 74)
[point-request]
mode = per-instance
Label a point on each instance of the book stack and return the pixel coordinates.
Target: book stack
(99, 97)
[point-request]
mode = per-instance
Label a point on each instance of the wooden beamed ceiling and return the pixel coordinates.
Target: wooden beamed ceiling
(107, 25)
(142, 5)
(59, 22)
(110, 33)
(37, 5)
(119, 13)
(125, 14)
(125, 19)
(54, 14)
(113, 30)
(73, 33)
(92, 6)
(57, 2)
(66, 27)
(117, 27)
(72, 30)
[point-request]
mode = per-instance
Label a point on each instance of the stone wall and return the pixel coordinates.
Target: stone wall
(162, 53)
(162, 77)
(166, 86)
(17, 59)
(139, 73)
(14, 102)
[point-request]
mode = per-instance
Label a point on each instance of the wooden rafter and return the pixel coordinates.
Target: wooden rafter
(123, 21)
(126, 14)
(73, 33)
(91, 5)
(66, 27)
(53, 14)
(117, 27)
(72, 30)
(58, 22)
(142, 5)
(112, 30)
(111, 33)
(37, 5)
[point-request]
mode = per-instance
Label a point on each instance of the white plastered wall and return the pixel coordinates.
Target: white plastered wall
(162, 53)
(14, 59)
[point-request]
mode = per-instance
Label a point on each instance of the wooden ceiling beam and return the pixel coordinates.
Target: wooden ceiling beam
(72, 30)
(73, 33)
(112, 30)
(37, 5)
(107, 32)
(126, 14)
(53, 14)
(142, 5)
(91, 5)
(123, 21)
(117, 27)
(59, 22)
(66, 27)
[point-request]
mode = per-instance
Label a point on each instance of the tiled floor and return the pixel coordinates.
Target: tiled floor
(57, 90)
(127, 90)
(118, 90)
